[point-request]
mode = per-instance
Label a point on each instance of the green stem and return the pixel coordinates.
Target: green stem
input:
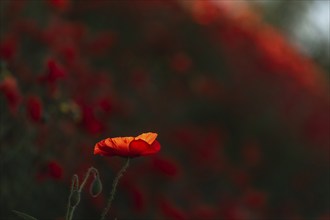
(113, 190)
(75, 188)
(70, 213)
(95, 172)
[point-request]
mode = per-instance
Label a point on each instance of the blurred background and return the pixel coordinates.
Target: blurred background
(238, 92)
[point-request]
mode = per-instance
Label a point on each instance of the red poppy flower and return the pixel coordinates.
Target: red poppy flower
(142, 145)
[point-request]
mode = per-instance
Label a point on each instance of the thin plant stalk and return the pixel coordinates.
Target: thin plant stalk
(76, 191)
(74, 186)
(114, 187)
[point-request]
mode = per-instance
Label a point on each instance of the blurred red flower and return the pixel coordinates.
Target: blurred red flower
(51, 169)
(60, 5)
(55, 71)
(34, 108)
(170, 210)
(8, 47)
(137, 195)
(142, 145)
(165, 166)
(89, 120)
(55, 170)
(9, 87)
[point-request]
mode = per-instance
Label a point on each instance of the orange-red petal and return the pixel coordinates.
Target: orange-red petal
(147, 137)
(136, 147)
(113, 146)
(141, 148)
(154, 148)
(144, 144)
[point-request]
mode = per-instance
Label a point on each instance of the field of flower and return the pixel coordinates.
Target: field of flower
(242, 116)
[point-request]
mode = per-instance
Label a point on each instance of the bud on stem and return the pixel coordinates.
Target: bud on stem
(96, 187)
(74, 198)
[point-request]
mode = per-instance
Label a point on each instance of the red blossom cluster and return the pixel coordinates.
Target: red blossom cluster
(241, 115)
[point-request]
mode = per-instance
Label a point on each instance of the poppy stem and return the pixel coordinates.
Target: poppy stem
(74, 197)
(74, 187)
(113, 190)
(95, 173)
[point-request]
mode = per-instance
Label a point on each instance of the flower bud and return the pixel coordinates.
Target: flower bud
(96, 187)
(74, 198)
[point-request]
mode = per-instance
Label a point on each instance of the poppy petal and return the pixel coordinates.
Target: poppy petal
(147, 137)
(154, 148)
(142, 148)
(137, 147)
(113, 146)
(119, 143)
(144, 144)
(97, 149)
